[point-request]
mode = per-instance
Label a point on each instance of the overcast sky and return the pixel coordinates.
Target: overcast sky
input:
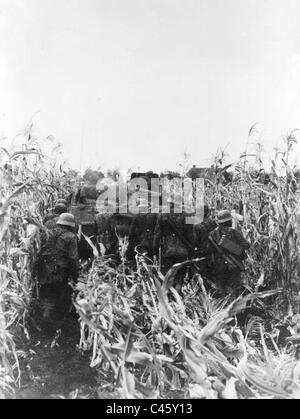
(135, 83)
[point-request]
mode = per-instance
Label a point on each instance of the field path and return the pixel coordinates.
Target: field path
(53, 367)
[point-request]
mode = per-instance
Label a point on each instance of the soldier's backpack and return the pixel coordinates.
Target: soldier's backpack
(177, 246)
(174, 248)
(231, 246)
(227, 249)
(89, 192)
(46, 265)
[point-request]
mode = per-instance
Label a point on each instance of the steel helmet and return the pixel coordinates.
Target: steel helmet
(224, 216)
(66, 219)
(62, 201)
(60, 208)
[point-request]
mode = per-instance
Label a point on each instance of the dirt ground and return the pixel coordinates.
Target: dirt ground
(53, 367)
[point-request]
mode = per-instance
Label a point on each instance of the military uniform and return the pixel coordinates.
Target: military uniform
(120, 223)
(87, 192)
(86, 220)
(228, 278)
(89, 229)
(49, 217)
(174, 249)
(201, 232)
(141, 233)
(59, 208)
(52, 223)
(105, 233)
(58, 262)
(203, 247)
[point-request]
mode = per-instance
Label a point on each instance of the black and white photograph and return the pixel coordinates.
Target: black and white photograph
(149, 202)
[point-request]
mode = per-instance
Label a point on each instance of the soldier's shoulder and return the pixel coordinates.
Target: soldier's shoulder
(51, 223)
(239, 235)
(69, 236)
(48, 217)
(212, 224)
(215, 231)
(55, 230)
(236, 233)
(48, 224)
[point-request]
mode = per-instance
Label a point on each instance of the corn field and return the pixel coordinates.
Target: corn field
(30, 184)
(143, 337)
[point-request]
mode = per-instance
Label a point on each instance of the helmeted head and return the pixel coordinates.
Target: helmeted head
(91, 176)
(66, 219)
(62, 201)
(224, 217)
(60, 209)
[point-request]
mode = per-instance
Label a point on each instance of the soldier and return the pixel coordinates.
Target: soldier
(174, 237)
(228, 255)
(65, 202)
(50, 220)
(105, 233)
(201, 232)
(57, 210)
(89, 190)
(203, 246)
(85, 215)
(89, 229)
(141, 231)
(58, 262)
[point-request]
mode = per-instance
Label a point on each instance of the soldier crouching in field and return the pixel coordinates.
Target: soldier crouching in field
(57, 264)
(229, 252)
